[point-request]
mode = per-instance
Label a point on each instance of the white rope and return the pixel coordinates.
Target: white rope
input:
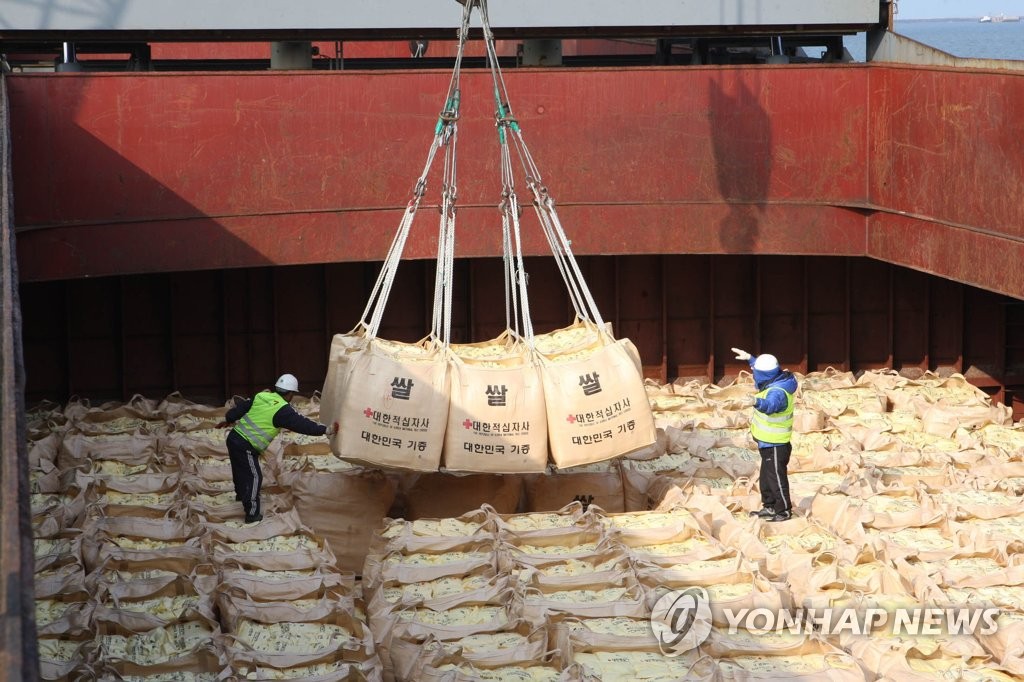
(445, 135)
(579, 293)
(511, 321)
(442, 251)
(549, 234)
(567, 246)
(521, 273)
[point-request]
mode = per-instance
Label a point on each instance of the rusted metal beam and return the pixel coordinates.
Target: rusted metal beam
(62, 253)
(982, 259)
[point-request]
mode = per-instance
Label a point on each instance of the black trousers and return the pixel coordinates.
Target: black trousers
(774, 478)
(246, 472)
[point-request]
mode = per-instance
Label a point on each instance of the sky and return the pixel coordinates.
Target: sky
(938, 9)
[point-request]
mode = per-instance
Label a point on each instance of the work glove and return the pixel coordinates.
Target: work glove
(747, 401)
(741, 354)
(331, 430)
(223, 425)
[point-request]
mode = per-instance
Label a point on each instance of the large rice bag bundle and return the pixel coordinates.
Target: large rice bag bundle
(437, 495)
(479, 586)
(204, 665)
(554, 572)
(459, 556)
(963, 504)
(596, 666)
(497, 422)
(597, 405)
(410, 536)
(944, 420)
(339, 369)
(622, 597)
(57, 551)
(448, 608)
(837, 401)
(888, 655)
(618, 633)
(137, 413)
(460, 669)
(117, 579)
(175, 403)
(44, 419)
(278, 543)
(953, 390)
(1006, 644)
(935, 542)
(197, 418)
(571, 516)
(138, 448)
(813, 662)
(551, 492)
(345, 508)
(64, 614)
(1006, 441)
(318, 456)
(139, 495)
(261, 585)
(894, 509)
(185, 646)
(53, 582)
(533, 547)
(454, 623)
(649, 526)
(689, 544)
(136, 606)
(42, 452)
(395, 409)
(319, 606)
(409, 656)
(138, 538)
(58, 511)
(65, 657)
(725, 642)
(196, 443)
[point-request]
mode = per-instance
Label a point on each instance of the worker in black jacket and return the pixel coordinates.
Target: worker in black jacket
(256, 423)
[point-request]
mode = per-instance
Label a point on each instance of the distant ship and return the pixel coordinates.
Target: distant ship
(998, 19)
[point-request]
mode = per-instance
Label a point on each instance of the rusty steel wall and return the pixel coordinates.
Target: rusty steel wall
(921, 166)
(251, 169)
(215, 334)
(230, 174)
(946, 162)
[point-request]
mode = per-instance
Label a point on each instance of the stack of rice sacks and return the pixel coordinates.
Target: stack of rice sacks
(146, 570)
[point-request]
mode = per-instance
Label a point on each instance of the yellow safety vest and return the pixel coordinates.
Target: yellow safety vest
(773, 428)
(257, 425)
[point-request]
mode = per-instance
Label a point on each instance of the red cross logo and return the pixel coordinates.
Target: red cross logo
(571, 419)
(368, 412)
(468, 424)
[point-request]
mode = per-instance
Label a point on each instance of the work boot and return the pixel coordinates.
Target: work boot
(781, 516)
(253, 519)
(765, 513)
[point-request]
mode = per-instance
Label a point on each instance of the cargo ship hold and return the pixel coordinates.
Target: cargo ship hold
(196, 198)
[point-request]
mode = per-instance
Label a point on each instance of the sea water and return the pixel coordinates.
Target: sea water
(961, 38)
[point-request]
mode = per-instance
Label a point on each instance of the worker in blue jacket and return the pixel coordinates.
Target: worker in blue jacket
(256, 423)
(772, 427)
